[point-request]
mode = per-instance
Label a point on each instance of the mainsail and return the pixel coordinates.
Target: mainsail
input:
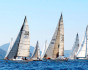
(36, 53)
(22, 44)
(56, 46)
(83, 50)
(75, 48)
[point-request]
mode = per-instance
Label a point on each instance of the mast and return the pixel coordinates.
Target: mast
(56, 46)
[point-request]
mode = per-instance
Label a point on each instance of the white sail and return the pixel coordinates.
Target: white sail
(13, 52)
(36, 53)
(21, 45)
(39, 53)
(56, 46)
(9, 48)
(49, 51)
(87, 39)
(61, 43)
(75, 48)
(24, 44)
(44, 51)
(82, 52)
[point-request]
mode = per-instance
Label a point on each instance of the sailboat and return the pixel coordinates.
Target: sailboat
(83, 49)
(21, 46)
(75, 48)
(9, 48)
(44, 51)
(56, 46)
(36, 53)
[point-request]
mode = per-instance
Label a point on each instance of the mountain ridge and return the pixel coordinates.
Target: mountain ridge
(4, 49)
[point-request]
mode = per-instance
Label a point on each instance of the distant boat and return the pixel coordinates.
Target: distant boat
(83, 49)
(20, 48)
(44, 51)
(75, 48)
(56, 46)
(9, 48)
(36, 53)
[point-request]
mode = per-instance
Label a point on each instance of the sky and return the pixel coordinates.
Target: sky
(43, 17)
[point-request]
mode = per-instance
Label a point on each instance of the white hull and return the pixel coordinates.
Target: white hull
(36, 59)
(83, 58)
(18, 59)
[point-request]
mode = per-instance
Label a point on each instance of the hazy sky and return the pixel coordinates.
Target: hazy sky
(42, 17)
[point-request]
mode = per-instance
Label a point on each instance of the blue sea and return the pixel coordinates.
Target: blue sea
(44, 65)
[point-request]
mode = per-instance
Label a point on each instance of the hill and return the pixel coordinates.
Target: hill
(67, 53)
(2, 53)
(4, 48)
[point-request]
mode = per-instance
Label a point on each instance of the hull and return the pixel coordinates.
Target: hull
(57, 59)
(36, 59)
(82, 58)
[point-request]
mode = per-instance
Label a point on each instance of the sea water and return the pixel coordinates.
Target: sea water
(44, 65)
